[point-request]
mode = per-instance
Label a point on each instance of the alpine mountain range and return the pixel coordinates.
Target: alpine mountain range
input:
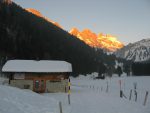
(137, 52)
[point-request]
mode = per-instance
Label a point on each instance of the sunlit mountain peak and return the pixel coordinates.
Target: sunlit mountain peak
(104, 41)
(74, 31)
(37, 13)
(89, 37)
(107, 42)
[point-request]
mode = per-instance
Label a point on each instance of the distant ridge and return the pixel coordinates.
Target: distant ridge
(137, 52)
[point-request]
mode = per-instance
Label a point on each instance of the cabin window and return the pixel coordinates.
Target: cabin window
(37, 84)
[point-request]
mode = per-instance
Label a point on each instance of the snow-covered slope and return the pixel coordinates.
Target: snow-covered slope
(87, 96)
(138, 51)
(14, 100)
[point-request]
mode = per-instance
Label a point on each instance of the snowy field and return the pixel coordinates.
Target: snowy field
(87, 96)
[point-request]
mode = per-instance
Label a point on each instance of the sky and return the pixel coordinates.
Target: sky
(128, 20)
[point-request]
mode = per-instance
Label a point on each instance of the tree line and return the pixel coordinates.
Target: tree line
(24, 35)
(142, 68)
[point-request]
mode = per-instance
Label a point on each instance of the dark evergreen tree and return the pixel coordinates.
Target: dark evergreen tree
(101, 70)
(119, 71)
(142, 68)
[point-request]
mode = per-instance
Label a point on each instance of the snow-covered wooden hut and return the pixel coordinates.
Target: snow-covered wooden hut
(39, 76)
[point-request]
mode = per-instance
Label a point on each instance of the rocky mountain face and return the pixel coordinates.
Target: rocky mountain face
(137, 52)
(106, 42)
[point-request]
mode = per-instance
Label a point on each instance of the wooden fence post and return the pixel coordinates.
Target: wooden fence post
(121, 93)
(107, 87)
(145, 100)
(130, 94)
(135, 92)
(60, 107)
(135, 95)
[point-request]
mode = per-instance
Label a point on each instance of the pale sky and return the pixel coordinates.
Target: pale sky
(128, 20)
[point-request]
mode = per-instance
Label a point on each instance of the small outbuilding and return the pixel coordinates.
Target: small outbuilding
(39, 76)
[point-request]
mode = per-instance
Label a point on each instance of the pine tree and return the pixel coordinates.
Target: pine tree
(119, 71)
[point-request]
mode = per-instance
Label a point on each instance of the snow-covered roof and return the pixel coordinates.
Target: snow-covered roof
(37, 66)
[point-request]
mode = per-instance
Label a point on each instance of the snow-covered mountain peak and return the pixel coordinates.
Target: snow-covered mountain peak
(138, 51)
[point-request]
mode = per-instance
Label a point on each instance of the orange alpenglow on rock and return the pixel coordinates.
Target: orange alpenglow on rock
(37, 13)
(89, 37)
(86, 35)
(74, 31)
(109, 42)
(106, 42)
